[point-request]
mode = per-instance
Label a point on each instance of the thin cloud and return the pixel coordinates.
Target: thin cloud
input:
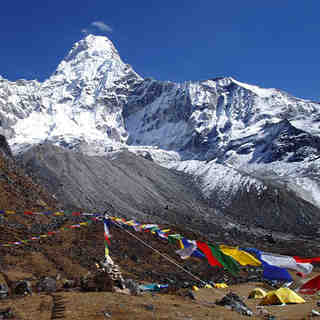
(85, 31)
(101, 26)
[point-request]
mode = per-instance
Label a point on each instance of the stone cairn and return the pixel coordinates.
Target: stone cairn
(106, 278)
(112, 270)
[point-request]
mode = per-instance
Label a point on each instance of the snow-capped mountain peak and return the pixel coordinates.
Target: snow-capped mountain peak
(93, 46)
(81, 103)
(90, 59)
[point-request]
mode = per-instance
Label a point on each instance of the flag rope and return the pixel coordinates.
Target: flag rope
(158, 252)
(48, 234)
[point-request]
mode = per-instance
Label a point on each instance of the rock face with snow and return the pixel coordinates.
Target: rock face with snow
(228, 135)
(215, 119)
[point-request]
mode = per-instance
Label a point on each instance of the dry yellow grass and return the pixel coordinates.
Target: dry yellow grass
(91, 306)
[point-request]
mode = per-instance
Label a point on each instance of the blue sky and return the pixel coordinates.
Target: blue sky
(267, 43)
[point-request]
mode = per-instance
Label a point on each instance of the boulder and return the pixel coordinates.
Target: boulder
(47, 284)
(22, 287)
(133, 287)
(4, 291)
(234, 302)
(99, 281)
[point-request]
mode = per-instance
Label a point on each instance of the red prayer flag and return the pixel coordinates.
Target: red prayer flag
(208, 253)
(311, 286)
(306, 260)
(107, 234)
(107, 239)
(75, 226)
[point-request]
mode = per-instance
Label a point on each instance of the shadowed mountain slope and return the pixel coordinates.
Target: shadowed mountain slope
(139, 188)
(17, 190)
(133, 185)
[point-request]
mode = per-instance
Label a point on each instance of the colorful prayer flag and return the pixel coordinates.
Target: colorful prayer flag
(228, 262)
(286, 262)
(187, 249)
(306, 260)
(195, 253)
(242, 257)
(270, 272)
(107, 234)
(208, 253)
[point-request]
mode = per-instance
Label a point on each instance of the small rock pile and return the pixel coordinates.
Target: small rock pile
(108, 277)
(234, 302)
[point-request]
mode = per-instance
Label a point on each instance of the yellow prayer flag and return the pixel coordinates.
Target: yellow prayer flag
(58, 213)
(243, 257)
(10, 211)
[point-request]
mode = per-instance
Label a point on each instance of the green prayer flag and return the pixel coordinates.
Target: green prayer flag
(172, 238)
(227, 262)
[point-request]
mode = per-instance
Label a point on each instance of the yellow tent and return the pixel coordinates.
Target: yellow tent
(257, 293)
(221, 285)
(280, 296)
